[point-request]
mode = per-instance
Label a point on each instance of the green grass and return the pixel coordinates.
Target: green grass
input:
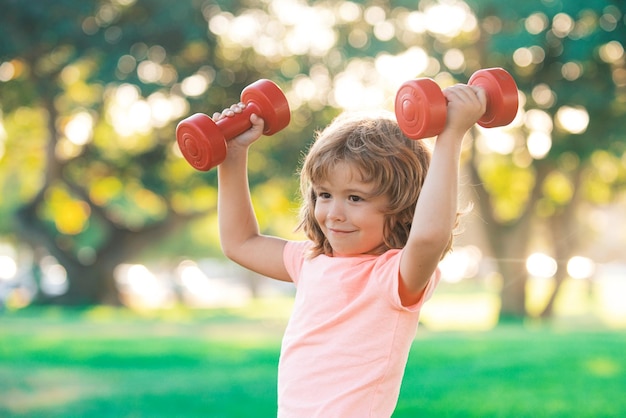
(116, 363)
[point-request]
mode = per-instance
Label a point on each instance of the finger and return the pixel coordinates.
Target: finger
(228, 112)
(238, 107)
(480, 93)
(463, 93)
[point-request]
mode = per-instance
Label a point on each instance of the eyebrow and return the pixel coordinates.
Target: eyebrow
(350, 191)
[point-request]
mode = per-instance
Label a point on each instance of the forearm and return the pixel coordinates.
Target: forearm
(437, 207)
(433, 221)
(236, 217)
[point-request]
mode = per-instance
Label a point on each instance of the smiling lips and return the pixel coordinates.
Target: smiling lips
(338, 231)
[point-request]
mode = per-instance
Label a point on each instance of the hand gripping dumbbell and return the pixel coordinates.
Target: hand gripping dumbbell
(202, 141)
(421, 107)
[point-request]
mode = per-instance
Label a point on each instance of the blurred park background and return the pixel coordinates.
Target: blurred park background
(109, 253)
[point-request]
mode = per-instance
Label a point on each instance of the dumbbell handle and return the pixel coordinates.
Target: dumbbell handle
(239, 123)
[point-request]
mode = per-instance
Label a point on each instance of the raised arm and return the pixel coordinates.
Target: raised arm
(436, 208)
(240, 238)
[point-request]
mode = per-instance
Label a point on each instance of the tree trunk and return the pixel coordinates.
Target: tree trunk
(564, 235)
(509, 243)
(510, 249)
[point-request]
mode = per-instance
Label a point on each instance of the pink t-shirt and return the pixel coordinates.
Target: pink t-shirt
(347, 342)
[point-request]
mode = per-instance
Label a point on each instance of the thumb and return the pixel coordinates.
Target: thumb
(258, 124)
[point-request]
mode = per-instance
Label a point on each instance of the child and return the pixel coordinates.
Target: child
(379, 212)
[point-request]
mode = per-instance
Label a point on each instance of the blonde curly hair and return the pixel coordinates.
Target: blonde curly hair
(373, 144)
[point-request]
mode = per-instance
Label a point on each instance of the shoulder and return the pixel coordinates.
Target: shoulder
(294, 255)
(297, 248)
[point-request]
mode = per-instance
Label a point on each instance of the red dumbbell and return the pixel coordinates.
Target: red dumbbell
(202, 141)
(421, 107)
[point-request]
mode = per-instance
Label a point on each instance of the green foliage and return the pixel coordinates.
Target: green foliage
(508, 185)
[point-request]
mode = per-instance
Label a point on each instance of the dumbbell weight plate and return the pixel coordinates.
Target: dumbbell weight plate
(272, 103)
(201, 142)
(420, 108)
(502, 99)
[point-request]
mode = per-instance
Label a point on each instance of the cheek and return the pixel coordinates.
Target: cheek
(379, 222)
(319, 214)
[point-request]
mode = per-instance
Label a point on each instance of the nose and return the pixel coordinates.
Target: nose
(336, 211)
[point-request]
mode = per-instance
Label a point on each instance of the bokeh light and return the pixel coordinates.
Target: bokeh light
(581, 267)
(541, 265)
(8, 267)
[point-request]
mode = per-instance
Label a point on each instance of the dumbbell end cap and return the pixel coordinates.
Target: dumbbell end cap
(271, 102)
(201, 142)
(420, 108)
(502, 96)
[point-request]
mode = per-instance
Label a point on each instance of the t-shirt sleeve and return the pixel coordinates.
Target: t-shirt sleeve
(293, 257)
(388, 271)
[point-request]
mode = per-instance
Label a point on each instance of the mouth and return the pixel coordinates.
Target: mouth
(338, 231)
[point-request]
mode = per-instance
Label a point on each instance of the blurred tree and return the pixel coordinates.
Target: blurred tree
(568, 59)
(90, 91)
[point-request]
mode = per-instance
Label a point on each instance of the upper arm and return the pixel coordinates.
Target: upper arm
(262, 254)
(417, 265)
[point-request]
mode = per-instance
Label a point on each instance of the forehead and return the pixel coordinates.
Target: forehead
(343, 172)
(348, 177)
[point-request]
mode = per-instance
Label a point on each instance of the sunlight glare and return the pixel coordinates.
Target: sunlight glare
(562, 25)
(416, 22)
(447, 19)
(54, 277)
(198, 289)
(149, 71)
(358, 87)
(543, 95)
(7, 71)
(536, 23)
(397, 69)
(349, 11)
(193, 279)
(462, 263)
(454, 59)
(523, 57)
(541, 265)
(164, 109)
(495, 140)
(245, 28)
(384, 31)
(539, 144)
(125, 96)
(573, 119)
(538, 120)
(195, 85)
(611, 52)
(580, 267)
(8, 267)
(79, 129)
(143, 286)
(299, 40)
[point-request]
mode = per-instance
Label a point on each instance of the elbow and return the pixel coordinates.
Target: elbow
(230, 250)
(236, 249)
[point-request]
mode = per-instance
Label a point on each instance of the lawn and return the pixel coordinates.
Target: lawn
(105, 362)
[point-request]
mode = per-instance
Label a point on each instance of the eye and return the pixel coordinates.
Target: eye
(355, 198)
(323, 195)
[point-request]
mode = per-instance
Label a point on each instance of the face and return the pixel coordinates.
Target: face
(350, 216)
